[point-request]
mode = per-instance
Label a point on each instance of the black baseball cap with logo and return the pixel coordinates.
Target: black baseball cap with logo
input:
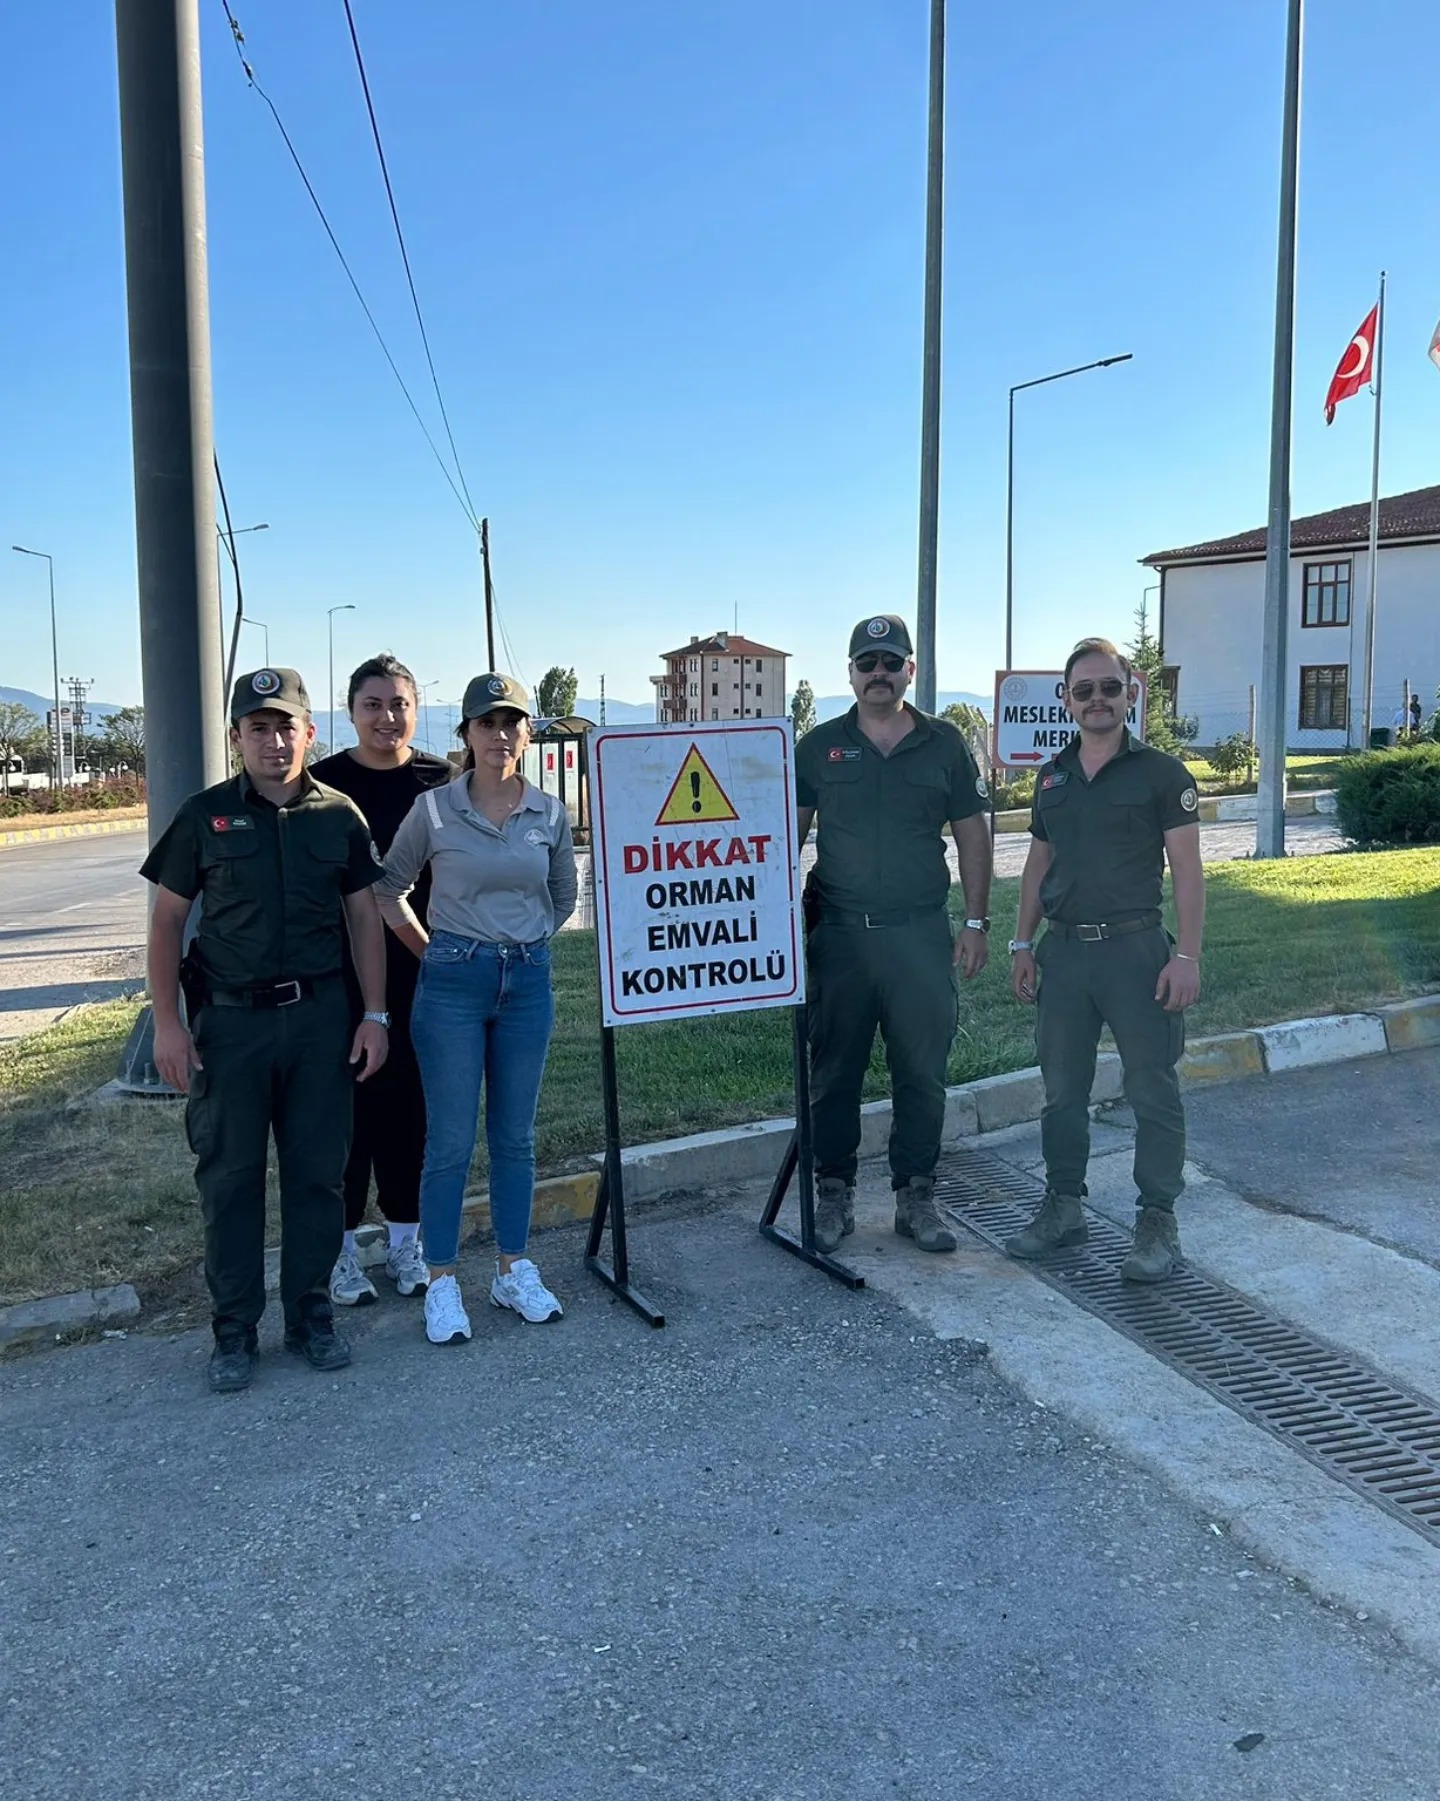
(484, 693)
(280, 690)
(886, 631)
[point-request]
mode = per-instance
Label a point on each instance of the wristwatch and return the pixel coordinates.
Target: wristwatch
(1021, 944)
(978, 925)
(377, 1019)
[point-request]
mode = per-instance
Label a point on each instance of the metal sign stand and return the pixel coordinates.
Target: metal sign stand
(610, 1197)
(800, 1155)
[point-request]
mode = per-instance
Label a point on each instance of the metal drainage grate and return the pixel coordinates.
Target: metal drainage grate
(1380, 1439)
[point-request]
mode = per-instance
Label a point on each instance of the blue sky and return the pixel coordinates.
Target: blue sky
(671, 261)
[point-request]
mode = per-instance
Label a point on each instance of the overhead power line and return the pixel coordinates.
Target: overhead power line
(404, 253)
(462, 498)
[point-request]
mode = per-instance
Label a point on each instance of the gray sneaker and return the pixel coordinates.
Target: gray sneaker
(1059, 1224)
(918, 1217)
(349, 1285)
(1155, 1253)
(834, 1212)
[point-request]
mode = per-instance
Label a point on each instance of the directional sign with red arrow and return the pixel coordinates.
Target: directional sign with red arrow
(1031, 720)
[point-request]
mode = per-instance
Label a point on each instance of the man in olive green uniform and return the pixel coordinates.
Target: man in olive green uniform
(1108, 812)
(283, 867)
(885, 779)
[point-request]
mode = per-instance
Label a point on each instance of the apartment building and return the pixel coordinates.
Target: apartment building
(723, 676)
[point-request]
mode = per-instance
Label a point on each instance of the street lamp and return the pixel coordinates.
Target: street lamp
(247, 620)
(330, 612)
(57, 778)
(1039, 382)
(425, 688)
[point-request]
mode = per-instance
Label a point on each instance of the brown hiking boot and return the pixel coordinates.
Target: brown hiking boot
(1059, 1224)
(1155, 1253)
(918, 1217)
(834, 1212)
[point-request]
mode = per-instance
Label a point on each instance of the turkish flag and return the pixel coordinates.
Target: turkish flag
(1357, 366)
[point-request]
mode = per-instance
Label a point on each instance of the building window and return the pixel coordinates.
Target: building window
(735, 686)
(714, 689)
(714, 712)
(1327, 594)
(757, 665)
(1324, 694)
(714, 664)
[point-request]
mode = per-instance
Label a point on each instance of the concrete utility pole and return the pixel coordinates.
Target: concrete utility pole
(930, 385)
(162, 159)
(1270, 807)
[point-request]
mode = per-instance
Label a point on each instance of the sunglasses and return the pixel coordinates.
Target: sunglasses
(871, 660)
(1111, 687)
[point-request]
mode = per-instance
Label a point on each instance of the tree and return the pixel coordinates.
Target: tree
(802, 709)
(1163, 731)
(555, 697)
(318, 750)
(122, 739)
(22, 734)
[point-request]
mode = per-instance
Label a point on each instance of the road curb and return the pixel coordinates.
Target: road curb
(753, 1152)
(91, 828)
(1214, 809)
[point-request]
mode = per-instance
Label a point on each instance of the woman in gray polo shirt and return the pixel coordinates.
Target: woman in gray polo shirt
(502, 870)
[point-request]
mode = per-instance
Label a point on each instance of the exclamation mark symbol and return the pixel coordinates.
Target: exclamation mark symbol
(695, 790)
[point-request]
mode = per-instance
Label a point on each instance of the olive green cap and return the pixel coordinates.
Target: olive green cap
(484, 693)
(279, 689)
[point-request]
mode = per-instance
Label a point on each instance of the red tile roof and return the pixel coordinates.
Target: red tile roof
(1413, 515)
(724, 644)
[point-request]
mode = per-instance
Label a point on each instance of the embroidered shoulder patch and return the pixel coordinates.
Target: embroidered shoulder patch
(1057, 778)
(845, 753)
(232, 822)
(1190, 800)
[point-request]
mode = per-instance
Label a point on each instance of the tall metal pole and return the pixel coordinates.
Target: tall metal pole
(57, 770)
(162, 157)
(345, 607)
(489, 591)
(1270, 817)
(930, 381)
(1010, 538)
(1369, 689)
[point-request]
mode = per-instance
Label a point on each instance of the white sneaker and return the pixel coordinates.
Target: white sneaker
(406, 1268)
(523, 1290)
(446, 1321)
(349, 1285)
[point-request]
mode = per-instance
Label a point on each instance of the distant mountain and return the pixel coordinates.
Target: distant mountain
(617, 712)
(831, 704)
(40, 704)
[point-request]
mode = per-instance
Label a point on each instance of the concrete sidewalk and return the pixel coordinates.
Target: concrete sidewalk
(799, 1544)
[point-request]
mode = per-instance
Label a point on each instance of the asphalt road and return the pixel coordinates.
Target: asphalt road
(794, 1546)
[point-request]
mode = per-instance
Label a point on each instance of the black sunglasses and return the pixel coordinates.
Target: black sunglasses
(870, 660)
(1111, 687)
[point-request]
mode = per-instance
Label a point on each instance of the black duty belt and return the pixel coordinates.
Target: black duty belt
(269, 994)
(1089, 934)
(870, 922)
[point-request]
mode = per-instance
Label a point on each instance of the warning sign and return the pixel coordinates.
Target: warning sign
(697, 798)
(1032, 722)
(696, 910)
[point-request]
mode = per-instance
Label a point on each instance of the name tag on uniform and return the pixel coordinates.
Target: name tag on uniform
(1056, 779)
(233, 822)
(845, 754)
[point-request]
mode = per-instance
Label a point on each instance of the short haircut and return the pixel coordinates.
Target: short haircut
(1096, 647)
(387, 668)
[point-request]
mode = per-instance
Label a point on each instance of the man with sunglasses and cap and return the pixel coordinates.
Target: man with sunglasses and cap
(1108, 813)
(284, 867)
(885, 780)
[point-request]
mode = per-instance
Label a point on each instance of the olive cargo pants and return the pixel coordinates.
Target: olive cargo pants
(1082, 987)
(280, 1069)
(901, 979)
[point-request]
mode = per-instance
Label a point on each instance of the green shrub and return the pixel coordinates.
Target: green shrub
(118, 791)
(1233, 756)
(1017, 793)
(1391, 796)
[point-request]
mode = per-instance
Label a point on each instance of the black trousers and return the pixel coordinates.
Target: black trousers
(901, 979)
(281, 1071)
(1111, 983)
(388, 1141)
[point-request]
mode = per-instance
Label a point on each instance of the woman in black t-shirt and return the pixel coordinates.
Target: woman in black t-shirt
(383, 774)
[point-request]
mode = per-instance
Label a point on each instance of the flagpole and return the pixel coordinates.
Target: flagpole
(1369, 690)
(1270, 800)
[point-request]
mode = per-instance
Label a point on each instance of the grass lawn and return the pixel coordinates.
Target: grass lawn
(1302, 774)
(95, 1195)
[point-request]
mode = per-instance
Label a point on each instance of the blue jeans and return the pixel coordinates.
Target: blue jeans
(483, 1015)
